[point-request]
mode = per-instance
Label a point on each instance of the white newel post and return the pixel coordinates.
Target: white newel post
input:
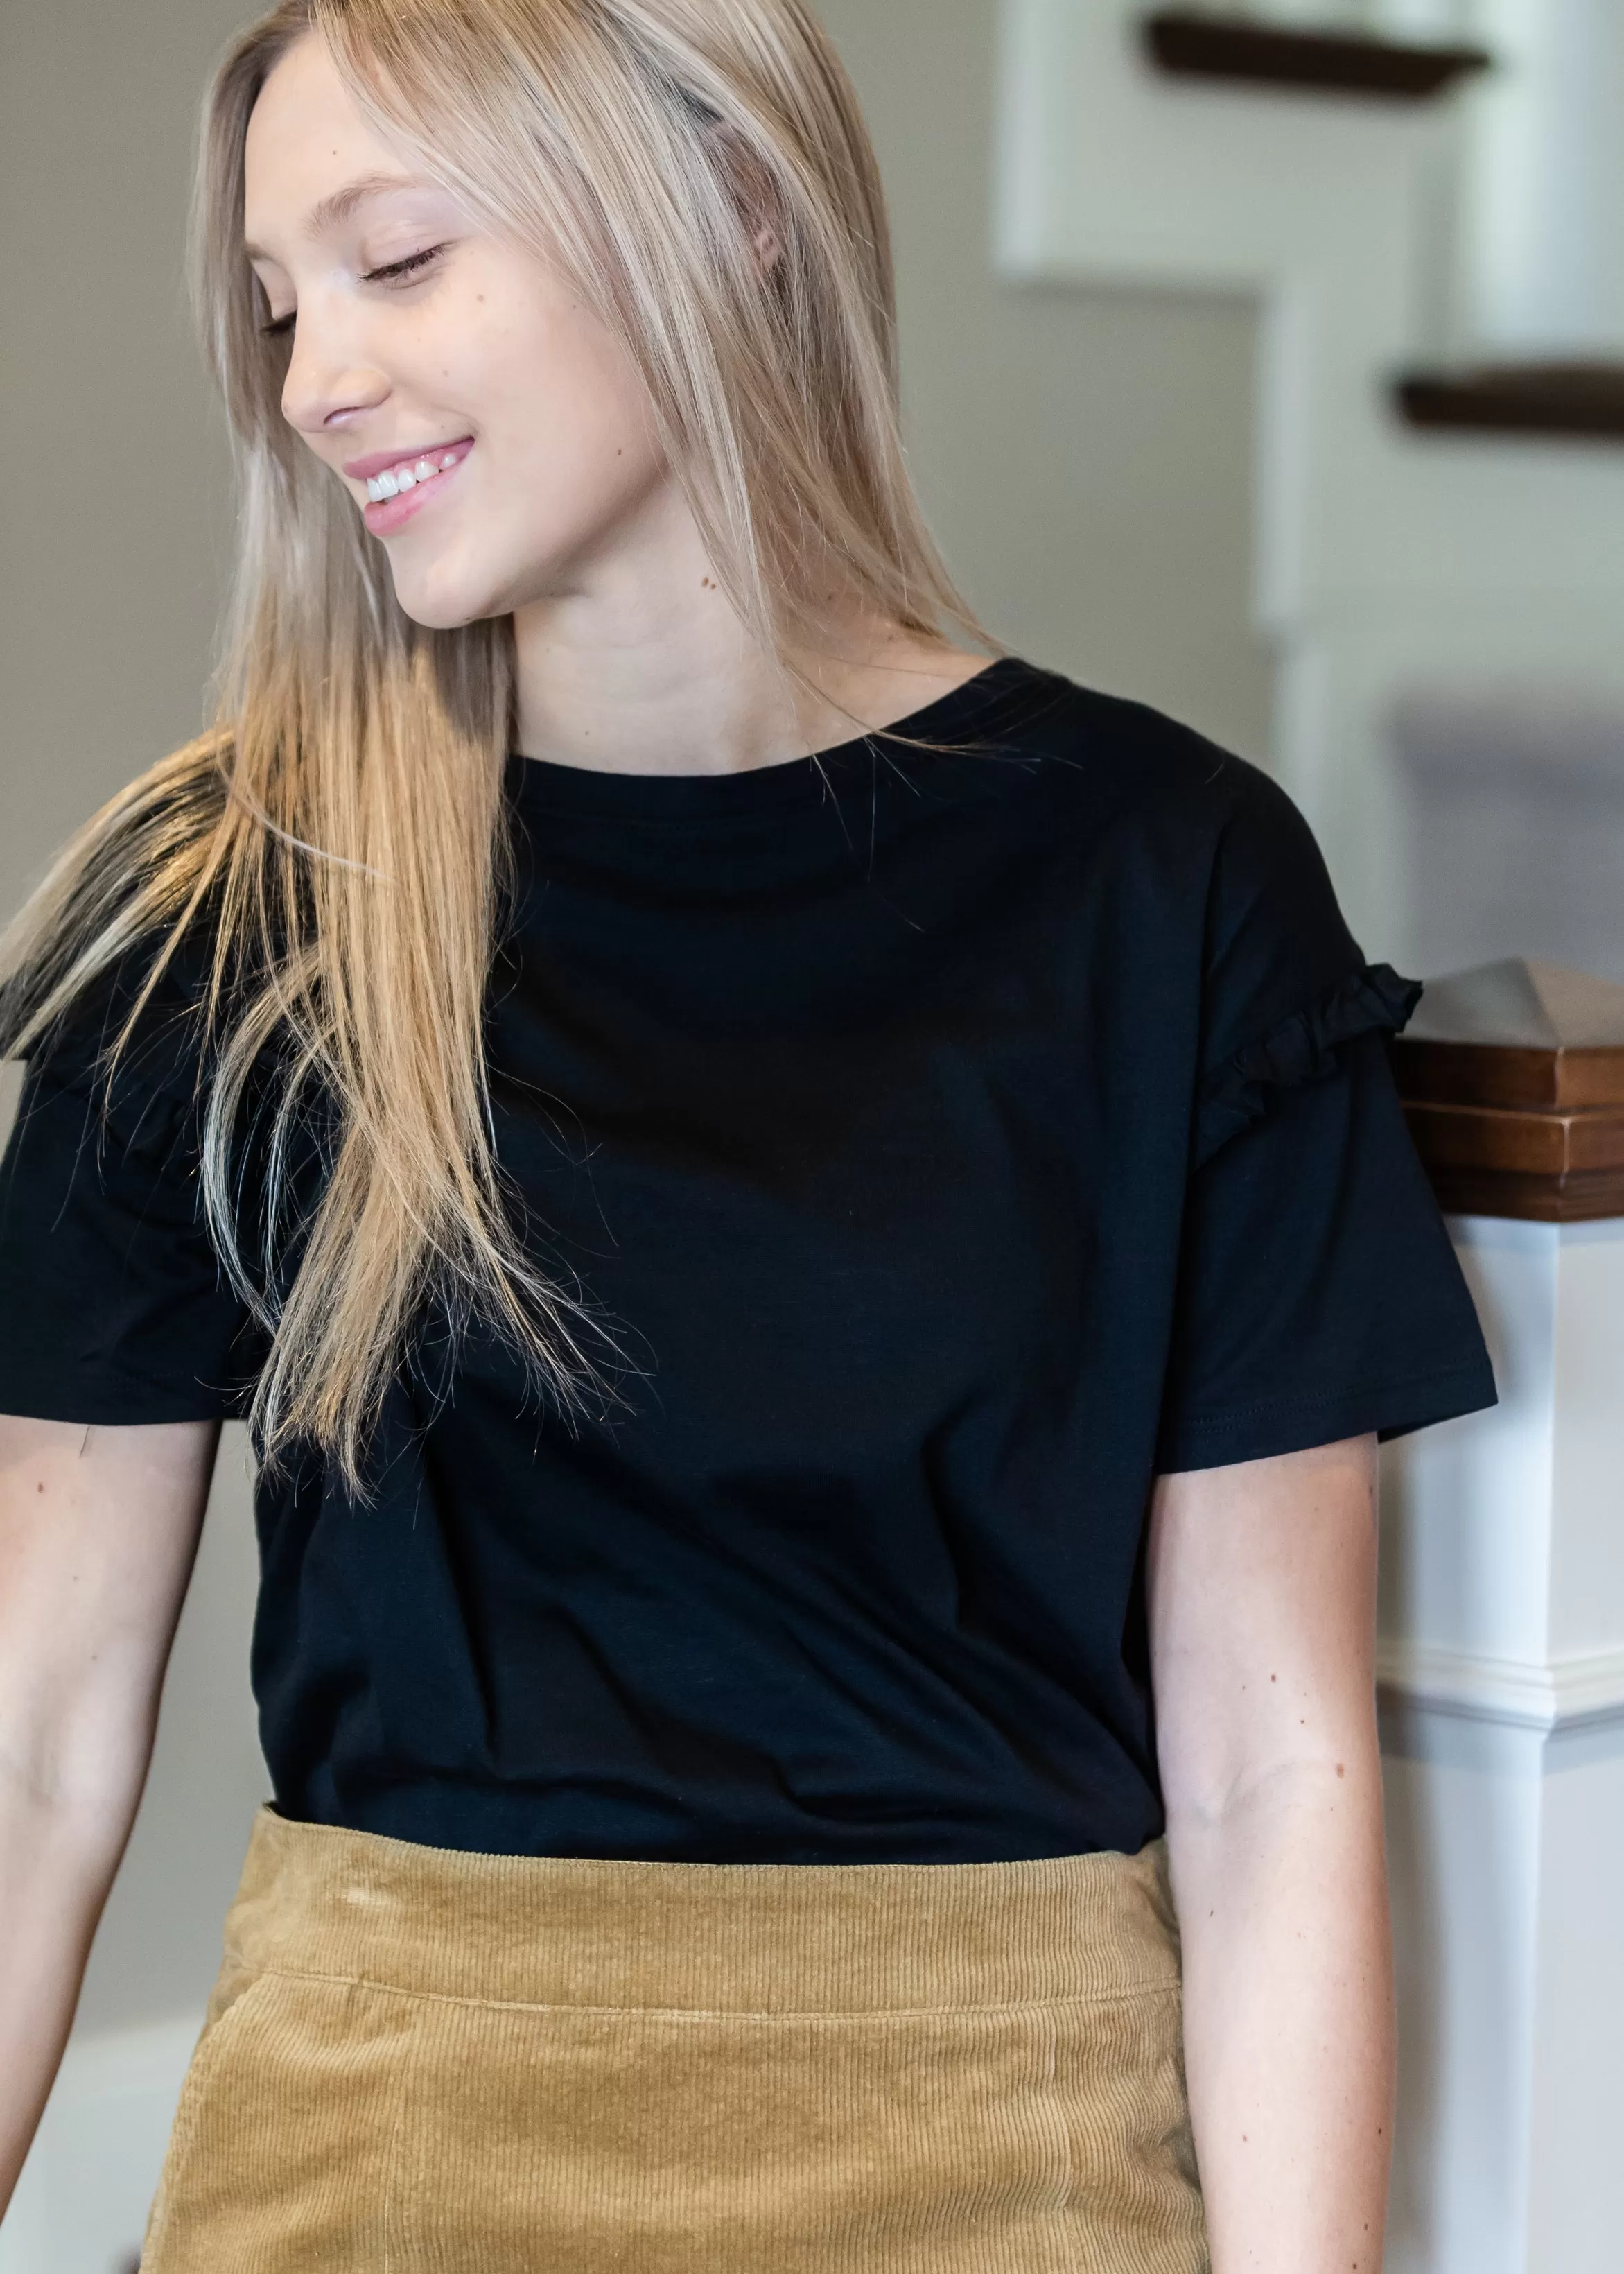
(1502, 1664)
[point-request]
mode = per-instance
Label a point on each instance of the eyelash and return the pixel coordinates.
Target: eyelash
(397, 270)
(394, 272)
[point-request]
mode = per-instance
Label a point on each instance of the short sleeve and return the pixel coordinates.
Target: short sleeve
(1319, 1294)
(113, 1304)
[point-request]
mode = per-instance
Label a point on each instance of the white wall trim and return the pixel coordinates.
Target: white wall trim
(1574, 1693)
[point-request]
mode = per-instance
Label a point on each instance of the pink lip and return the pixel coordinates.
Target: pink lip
(384, 462)
(385, 516)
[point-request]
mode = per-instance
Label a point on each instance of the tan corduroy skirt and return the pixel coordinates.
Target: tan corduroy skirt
(416, 2059)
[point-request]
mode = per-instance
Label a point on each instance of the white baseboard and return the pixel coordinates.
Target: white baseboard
(81, 2204)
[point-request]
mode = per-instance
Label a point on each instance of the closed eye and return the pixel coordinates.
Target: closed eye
(394, 272)
(398, 271)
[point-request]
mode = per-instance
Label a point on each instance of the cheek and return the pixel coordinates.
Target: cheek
(575, 420)
(565, 450)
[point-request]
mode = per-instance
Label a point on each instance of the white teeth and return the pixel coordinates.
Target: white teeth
(407, 476)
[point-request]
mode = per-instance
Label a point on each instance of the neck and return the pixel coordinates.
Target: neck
(644, 667)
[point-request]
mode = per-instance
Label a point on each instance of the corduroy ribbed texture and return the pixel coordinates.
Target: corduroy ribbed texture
(417, 2060)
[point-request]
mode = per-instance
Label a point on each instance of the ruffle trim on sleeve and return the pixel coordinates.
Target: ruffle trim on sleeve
(1302, 1049)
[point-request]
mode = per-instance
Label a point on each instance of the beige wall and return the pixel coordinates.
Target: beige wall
(114, 513)
(1085, 461)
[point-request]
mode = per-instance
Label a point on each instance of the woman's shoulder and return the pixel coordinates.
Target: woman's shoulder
(115, 954)
(1108, 753)
(1222, 855)
(130, 1038)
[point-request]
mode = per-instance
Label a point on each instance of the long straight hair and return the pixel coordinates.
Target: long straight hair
(342, 824)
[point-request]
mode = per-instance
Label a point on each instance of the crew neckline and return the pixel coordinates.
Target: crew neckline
(966, 712)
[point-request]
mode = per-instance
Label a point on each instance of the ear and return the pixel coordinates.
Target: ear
(755, 196)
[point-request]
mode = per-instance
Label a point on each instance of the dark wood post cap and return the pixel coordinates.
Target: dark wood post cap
(1205, 43)
(1512, 1077)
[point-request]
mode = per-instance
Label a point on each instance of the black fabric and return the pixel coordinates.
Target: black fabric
(956, 1140)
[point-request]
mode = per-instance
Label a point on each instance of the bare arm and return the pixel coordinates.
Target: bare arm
(1262, 1608)
(99, 1530)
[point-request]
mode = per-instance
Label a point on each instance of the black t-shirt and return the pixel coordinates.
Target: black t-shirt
(957, 1142)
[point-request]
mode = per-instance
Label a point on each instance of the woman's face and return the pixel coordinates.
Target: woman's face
(496, 438)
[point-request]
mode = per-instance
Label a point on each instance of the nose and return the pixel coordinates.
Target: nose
(328, 383)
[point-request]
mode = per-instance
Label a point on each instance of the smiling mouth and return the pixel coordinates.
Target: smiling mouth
(410, 474)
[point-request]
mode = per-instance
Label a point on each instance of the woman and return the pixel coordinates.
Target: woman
(788, 1279)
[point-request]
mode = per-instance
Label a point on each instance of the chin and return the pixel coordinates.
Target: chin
(445, 603)
(455, 585)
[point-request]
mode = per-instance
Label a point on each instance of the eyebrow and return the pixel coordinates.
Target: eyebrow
(341, 205)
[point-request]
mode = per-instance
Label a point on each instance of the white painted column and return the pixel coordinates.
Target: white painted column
(1545, 212)
(1502, 1669)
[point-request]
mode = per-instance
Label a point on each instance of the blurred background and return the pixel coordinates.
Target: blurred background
(1274, 381)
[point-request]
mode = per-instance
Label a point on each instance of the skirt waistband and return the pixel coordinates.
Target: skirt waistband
(322, 1900)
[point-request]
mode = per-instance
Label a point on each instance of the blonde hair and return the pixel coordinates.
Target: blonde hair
(343, 826)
